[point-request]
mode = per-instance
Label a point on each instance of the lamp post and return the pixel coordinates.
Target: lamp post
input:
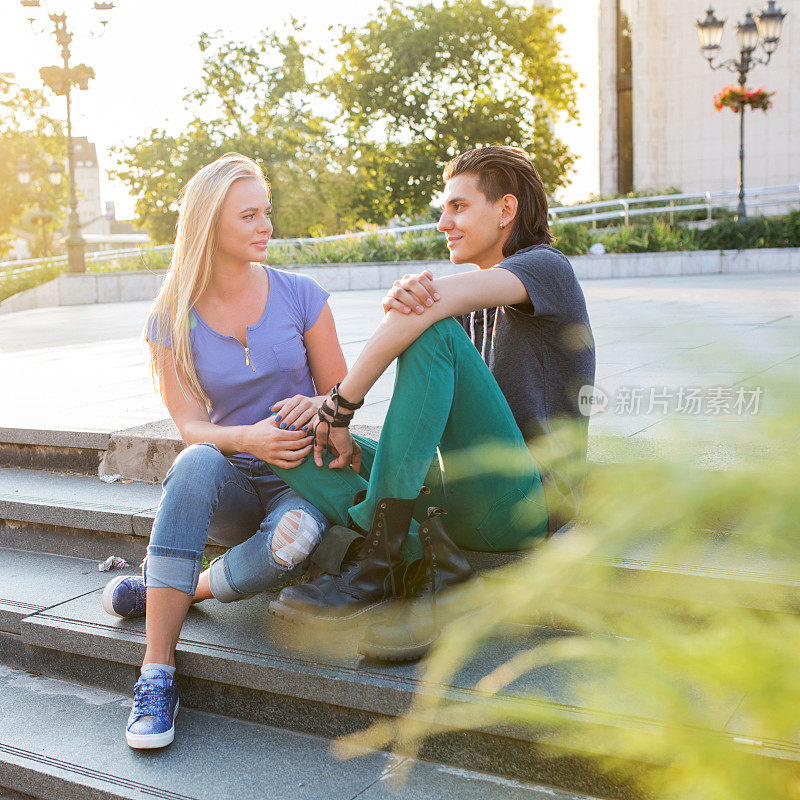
(61, 80)
(55, 175)
(764, 29)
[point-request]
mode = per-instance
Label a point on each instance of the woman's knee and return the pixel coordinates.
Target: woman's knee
(197, 471)
(294, 538)
(201, 457)
(189, 497)
(277, 552)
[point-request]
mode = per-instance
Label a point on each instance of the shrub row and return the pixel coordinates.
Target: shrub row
(660, 236)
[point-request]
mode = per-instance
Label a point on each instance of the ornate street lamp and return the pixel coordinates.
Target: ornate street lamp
(55, 174)
(24, 173)
(61, 79)
(765, 29)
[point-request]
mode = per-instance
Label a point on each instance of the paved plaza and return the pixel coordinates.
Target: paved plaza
(658, 339)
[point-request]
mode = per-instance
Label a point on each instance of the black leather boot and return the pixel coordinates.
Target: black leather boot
(361, 571)
(412, 627)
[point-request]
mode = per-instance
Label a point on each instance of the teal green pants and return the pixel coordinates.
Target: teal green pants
(450, 429)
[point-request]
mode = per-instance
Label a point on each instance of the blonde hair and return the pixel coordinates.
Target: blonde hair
(189, 271)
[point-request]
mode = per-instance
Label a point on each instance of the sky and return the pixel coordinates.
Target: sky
(148, 59)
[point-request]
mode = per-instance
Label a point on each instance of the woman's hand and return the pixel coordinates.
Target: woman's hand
(340, 441)
(297, 412)
(283, 448)
(411, 293)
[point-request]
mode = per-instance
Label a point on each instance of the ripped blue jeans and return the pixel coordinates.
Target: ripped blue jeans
(235, 501)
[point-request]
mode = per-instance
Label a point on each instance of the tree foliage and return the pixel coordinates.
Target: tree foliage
(366, 142)
(419, 85)
(252, 99)
(28, 133)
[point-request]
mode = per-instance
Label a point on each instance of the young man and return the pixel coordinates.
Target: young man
(516, 375)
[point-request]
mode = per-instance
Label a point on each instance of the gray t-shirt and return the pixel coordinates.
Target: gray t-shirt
(541, 353)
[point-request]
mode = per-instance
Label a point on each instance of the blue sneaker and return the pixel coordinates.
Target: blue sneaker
(125, 596)
(151, 723)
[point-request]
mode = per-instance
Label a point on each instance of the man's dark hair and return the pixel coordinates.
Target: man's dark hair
(503, 170)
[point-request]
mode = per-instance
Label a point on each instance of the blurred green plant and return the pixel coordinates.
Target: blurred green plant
(667, 620)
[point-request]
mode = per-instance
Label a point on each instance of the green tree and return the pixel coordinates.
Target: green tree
(28, 134)
(419, 85)
(254, 99)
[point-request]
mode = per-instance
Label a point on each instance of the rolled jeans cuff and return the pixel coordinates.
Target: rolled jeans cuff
(220, 584)
(171, 568)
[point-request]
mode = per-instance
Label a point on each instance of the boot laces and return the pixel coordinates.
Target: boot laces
(389, 562)
(350, 562)
(422, 583)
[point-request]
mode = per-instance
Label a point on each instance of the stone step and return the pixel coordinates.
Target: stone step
(65, 450)
(80, 515)
(239, 661)
(31, 582)
(76, 750)
(76, 515)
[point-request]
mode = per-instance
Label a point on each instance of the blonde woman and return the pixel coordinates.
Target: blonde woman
(243, 355)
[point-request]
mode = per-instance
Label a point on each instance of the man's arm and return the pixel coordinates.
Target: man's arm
(459, 294)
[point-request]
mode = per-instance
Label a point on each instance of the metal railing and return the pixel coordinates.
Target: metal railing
(22, 266)
(623, 209)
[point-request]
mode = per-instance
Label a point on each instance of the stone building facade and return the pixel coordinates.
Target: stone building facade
(87, 187)
(646, 103)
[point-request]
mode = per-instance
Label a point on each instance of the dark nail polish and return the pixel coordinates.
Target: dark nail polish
(305, 427)
(291, 427)
(278, 418)
(283, 425)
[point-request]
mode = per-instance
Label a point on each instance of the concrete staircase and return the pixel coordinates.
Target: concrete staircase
(258, 709)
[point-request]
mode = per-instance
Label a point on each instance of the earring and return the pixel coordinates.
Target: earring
(502, 225)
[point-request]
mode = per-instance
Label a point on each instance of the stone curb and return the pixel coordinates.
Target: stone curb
(146, 452)
(91, 440)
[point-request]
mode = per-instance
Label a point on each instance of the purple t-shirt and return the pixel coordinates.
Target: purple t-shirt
(242, 389)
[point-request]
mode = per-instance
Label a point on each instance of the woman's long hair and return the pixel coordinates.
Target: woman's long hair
(189, 271)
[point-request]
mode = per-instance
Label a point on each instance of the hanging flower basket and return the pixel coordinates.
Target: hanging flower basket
(738, 97)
